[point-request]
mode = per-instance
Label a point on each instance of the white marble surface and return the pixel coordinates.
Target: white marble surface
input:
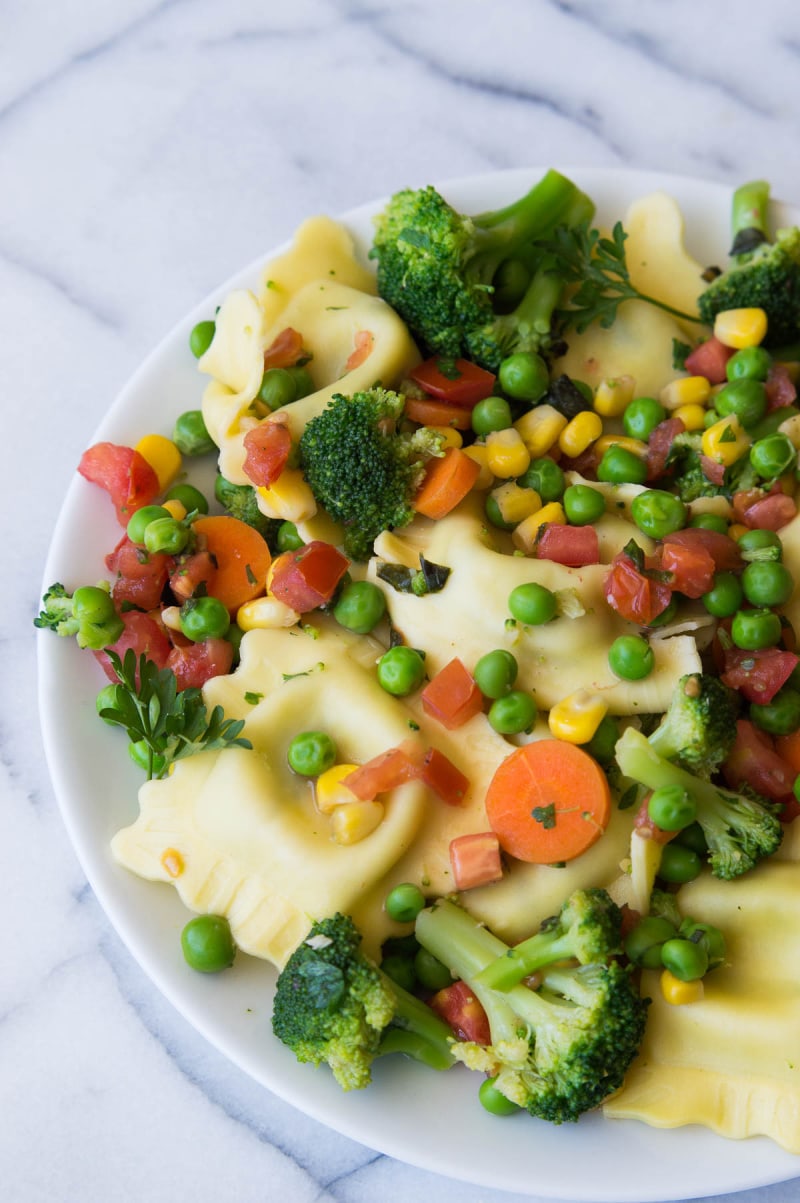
(147, 149)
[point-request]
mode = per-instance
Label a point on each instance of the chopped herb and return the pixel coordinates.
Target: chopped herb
(628, 798)
(251, 576)
(680, 353)
(546, 815)
(253, 698)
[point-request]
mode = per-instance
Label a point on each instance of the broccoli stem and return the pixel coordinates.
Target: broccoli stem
(418, 1032)
(531, 955)
(551, 202)
(749, 218)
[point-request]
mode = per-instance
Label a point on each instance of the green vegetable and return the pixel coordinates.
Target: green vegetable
(532, 604)
(545, 476)
(685, 959)
(620, 466)
(431, 973)
(642, 416)
(88, 614)
(699, 726)
(490, 414)
(204, 618)
(311, 753)
(404, 902)
(757, 545)
(360, 607)
(200, 338)
(671, 808)
(190, 434)
(658, 513)
(751, 363)
(278, 388)
(767, 583)
(643, 944)
(288, 537)
(710, 522)
(401, 670)
(583, 505)
(207, 943)
(167, 535)
(524, 376)
(781, 715)
(513, 713)
(725, 595)
(141, 519)
(493, 1100)
(773, 455)
(679, 864)
(240, 502)
(631, 658)
(190, 498)
(744, 397)
(752, 630)
(495, 673)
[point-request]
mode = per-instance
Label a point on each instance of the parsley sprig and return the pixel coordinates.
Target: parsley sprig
(171, 723)
(597, 265)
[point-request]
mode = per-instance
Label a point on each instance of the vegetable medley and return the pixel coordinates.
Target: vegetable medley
(471, 698)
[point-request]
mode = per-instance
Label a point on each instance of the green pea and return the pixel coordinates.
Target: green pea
(190, 498)
(401, 970)
(204, 618)
(583, 505)
(431, 973)
(710, 522)
(709, 936)
(684, 959)
(234, 636)
(493, 1100)
(642, 416)
(767, 583)
(532, 604)
(190, 434)
(167, 535)
(667, 614)
(513, 713)
(693, 837)
(620, 466)
(108, 698)
(145, 759)
(546, 477)
(494, 515)
(360, 607)
(773, 455)
(679, 864)
(643, 944)
(631, 658)
(524, 376)
(725, 596)
(751, 363)
(303, 381)
(277, 388)
(311, 753)
(404, 902)
(760, 545)
(495, 673)
(288, 537)
(781, 715)
(490, 414)
(139, 522)
(92, 604)
(746, 398)
(658, 513)
(401, 670)
(200, 338)
(752, 630)
(208, 944)
(671, 808)
(602, 744)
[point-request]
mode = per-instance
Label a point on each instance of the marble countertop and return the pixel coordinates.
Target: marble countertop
(148, 148)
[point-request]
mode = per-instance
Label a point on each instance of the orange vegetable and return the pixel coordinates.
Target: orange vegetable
(447, 781)
(285, 350)
(475, 860)
(241, 557)
(788, 748)
(548, 802)
(363, 343)
(438, 413)
(452, 697)
(447, 481)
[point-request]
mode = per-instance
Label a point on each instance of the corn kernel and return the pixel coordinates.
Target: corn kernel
(506, 453)
(526, 533)
(163, 457)
(737, 529)
(329, 791)
(725, 441)
(354, 821)
(288, 498)
(540, 428)
(741, 327)
(485, 477)
(580, 433)
(171, 617)
(176, 508)
(612, 397)
(576, 718)
(693, 416)
(265, 614)
(686, 390)
(677, 993)
(515, 503)
(172, 861)
(635, 446)
(450, 436)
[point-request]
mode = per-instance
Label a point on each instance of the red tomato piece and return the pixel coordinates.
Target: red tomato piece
(438, 413)
(647, 829)
(307, 578)
(363, 343)
(771, 513)
(452, 697)
(574, 546)
(443, 777)
(124, 474)
(634, 596)
(709, 359)
(285, 350)
(712, 470)
(722, 548)
(462, 383)
(691, 569)
(659, 445)
(475, 860)
(780, 388)
(754, 761)
(140, 576)
(192, 572)
(760, 674)
(384, 772)
(459, 1007)
(267, 448)
(196, 663)
(145, 635)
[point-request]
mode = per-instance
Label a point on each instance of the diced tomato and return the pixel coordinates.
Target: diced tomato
(659, 445)
(384, 772)
(443, 777)
(644, 826)
(634, 596)
(780, 388)
(196, 663)
(140, 575)
(307, 578)
(267, 448)
(461, 382)
(285, 350)
(574, 546)
(691, 569)
(145, 635)
(709, 359)
(584, 464)
(124, 474)
(743, 499)
(475, 860)
(438, 413)
(754, 761)
(452, 697)
(192, 572)
(363, 343)
(713, 472)
(459, 1007)
(758, 675)
(722, 548)
(771, 513)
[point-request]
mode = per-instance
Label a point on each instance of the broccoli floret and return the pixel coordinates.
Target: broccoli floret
(361, 469)
(437, 268)
(557, 1050)
(240, 502)
(333, 1004)
(764, 272)
(689, 480)
(89, 614)
(741, 828)
(699, 728)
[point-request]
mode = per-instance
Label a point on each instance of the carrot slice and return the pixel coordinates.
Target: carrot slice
(548, 802)
(447, 481)
(241, 556)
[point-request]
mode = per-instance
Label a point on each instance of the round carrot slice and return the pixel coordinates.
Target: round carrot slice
(241, 556)
(548, 802)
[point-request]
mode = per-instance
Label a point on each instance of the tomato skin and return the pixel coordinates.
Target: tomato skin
(124, 474)
(771, 513)
(722, 548)
(140, 575)
(633, 595)
(574, 546)
(307, 578)
(757, 675)
(384, 772)
(191, 572)
(145, 635)
(363, 344)
(267, 448)
(438, 413)
(646, 828)
(447, 781)
(691, 569)
(709, 359)
(459, 1007)
(780, 388)
(753, 760)
(285, 350)
(659, 445)
(196, 663)
(452, 697)
(471, 385)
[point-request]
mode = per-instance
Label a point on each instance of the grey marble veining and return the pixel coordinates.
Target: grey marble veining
(147, 150)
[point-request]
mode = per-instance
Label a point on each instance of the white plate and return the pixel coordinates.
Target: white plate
(430, 1120)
